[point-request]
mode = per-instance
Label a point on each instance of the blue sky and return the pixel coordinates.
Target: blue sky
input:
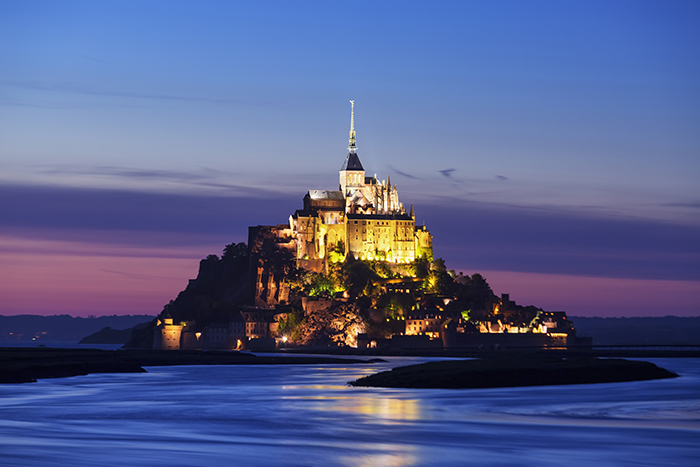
(534, 137)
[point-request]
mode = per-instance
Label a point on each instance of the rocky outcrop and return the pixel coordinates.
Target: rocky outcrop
(337, 325)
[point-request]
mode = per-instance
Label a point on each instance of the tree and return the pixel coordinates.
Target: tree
(233, 251)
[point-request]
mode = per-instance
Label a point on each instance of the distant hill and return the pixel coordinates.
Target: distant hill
(112, 336)
(665, 330)
(25, 328)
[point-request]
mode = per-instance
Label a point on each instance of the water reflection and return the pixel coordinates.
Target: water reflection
(383, 409)
(308, 416)
(378, 460)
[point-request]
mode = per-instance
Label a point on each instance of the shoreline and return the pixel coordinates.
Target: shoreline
(493, 368)
(28, 364)
(507, 373)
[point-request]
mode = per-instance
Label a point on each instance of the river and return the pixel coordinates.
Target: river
(307, 416)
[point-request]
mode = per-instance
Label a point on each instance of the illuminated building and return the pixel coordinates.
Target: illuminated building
(428, 324)
(363, 218)
(171, 336)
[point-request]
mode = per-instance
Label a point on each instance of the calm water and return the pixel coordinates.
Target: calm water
(307, 416)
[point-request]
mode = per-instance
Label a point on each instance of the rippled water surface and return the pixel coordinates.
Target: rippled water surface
(307, 416)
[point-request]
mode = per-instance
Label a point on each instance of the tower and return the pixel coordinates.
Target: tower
(352, 174)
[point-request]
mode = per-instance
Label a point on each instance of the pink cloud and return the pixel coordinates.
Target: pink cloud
(40, 277)
(82, 278)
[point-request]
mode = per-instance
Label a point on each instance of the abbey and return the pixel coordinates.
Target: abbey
(363, 218)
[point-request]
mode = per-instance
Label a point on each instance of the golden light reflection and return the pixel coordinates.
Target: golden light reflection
(382, 409)
(380, 460)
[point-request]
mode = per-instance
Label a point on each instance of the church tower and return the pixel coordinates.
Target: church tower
(352, 174)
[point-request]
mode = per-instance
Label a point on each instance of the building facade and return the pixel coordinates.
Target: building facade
(363, 218)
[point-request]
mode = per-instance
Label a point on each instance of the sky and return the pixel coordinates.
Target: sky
(550, 146)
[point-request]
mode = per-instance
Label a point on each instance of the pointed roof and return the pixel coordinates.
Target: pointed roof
(352, 144)
(352, 162)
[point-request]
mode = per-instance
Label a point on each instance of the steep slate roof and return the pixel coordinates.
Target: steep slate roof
(326, 194)
(352, 162)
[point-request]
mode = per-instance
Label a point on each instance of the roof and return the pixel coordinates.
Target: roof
(352, 162)
(399, 217)
(305, 213)
(326, 194)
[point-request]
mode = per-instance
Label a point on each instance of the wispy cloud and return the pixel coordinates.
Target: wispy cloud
(550, 239)
(690, 205)
(127, 172)
(131, 275)
(81, 89)
(544, 239)
(93, 209)
(447, 173)
(404, 174)
(203, 180)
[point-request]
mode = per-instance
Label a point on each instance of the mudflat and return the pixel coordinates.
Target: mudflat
(513, 372)
(24, 365)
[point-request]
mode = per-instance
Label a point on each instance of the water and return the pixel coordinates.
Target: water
(307, 416)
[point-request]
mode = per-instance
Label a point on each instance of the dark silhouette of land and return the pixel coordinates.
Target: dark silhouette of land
(513, 372)
(108, 335)
(66, 328)
(24, 365)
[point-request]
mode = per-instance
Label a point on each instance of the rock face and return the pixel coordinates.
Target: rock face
(222, 284)
(339, 324)
(498, 373)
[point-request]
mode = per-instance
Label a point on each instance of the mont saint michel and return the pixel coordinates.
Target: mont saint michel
(354, 267)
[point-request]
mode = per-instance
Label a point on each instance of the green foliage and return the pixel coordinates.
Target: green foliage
(313, 284)
(292, 326)
(396, 304)
(337, 253)
(419, 268)
(320, 285)
(380, 254)
(382, 269)
(360, 278)
(439, 281)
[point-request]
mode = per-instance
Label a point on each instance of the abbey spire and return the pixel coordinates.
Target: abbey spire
(352, 174)
(352, 145)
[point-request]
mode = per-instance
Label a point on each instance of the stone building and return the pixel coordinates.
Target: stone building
(174, 336)
(363, 218)
(425, 323)
(227, 335)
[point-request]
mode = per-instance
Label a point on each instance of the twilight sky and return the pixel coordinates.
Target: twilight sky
(551, 146)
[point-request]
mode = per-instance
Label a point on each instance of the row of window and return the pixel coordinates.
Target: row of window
(382, 222)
